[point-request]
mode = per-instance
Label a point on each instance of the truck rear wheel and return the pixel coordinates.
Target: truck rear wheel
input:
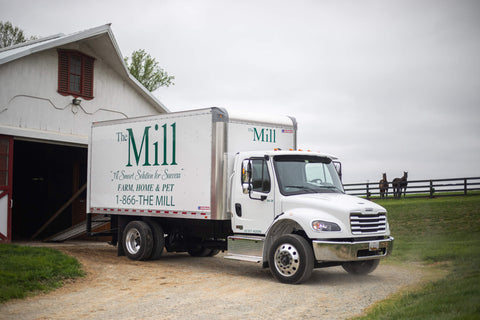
(361, 267)
(291, 259)
(137, 240)
(158, 240)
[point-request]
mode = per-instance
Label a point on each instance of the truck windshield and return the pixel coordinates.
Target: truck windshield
(298, 174)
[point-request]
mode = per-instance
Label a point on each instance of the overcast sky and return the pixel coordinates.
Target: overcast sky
(387, 86)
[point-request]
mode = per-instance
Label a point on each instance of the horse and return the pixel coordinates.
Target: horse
(383, 186)
(399, 184)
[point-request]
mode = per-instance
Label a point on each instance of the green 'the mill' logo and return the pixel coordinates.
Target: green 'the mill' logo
(162, 139)
(264, 135)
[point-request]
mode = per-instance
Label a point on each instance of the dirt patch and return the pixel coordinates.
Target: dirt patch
(182, 287)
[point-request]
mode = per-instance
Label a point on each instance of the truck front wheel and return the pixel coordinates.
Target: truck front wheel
(137, 240)
(291, 259)
(361, 267)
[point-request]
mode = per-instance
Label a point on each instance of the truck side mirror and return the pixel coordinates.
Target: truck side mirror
(338, 167)
(247, 180)
(246, 176)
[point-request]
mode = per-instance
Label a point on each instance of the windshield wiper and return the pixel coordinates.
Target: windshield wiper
(332, 187)
(310, 190)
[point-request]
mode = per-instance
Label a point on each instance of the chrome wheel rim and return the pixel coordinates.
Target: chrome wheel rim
(132, 241)
(287, 260)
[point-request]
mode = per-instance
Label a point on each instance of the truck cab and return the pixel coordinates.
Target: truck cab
(289, 212)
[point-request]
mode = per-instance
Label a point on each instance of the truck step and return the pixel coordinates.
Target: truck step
(245, 247)
(233, 256)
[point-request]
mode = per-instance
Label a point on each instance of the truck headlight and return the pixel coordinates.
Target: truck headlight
(319, 225)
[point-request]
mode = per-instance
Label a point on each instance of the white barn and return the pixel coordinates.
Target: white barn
(51, 90)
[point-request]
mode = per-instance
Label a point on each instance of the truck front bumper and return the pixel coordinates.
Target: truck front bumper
(351, 251)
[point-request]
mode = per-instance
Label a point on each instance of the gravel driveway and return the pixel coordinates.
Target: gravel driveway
(182, 287)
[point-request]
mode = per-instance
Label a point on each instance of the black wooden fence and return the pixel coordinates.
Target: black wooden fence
(418, 188)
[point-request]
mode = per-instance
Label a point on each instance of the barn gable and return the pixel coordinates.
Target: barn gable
(51, 90)
(31, 105)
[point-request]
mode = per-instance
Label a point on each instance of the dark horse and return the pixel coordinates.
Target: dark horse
(383, 186)
(399, 184)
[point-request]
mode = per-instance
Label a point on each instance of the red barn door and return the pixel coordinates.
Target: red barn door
(6, 169)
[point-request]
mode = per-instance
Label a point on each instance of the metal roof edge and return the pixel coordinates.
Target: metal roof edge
(56, 42)
(30, 42)
(146, 93)
(137, 83)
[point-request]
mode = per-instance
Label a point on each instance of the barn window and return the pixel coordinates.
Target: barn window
(75, 74)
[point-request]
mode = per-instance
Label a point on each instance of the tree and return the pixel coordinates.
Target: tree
(146, 70)
(10, 35)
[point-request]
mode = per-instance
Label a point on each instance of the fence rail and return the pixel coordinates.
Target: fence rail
(418, 188)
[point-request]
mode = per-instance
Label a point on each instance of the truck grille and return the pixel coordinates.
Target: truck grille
(367, 224)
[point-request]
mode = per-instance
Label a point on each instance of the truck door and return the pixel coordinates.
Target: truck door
(254, 197)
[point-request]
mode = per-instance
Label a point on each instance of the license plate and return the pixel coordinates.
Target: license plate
(374, 245)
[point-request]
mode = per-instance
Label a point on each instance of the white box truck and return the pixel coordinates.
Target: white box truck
(210, 180)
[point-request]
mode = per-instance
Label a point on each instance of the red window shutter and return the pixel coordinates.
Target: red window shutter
(63, 67)
(64, 73)
(88, 77)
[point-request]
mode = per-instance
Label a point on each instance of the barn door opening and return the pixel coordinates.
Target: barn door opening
(47, 176)
(6, 156)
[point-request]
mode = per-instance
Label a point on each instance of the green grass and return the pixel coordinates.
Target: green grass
(441, 233)
(437, 233)
(27, 270)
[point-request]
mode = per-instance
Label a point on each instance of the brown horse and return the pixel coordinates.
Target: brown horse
(383, 186)
(399, 184)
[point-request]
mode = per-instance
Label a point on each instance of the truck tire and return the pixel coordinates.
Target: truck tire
(199, 252)
(158, 240)
(203, 252)
(137, 240)
(361, 267)
(291, 259)
(214, 252)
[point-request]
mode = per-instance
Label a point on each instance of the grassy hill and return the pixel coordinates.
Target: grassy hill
(442, 234)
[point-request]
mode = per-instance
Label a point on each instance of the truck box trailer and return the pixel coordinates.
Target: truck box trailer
(210, 180)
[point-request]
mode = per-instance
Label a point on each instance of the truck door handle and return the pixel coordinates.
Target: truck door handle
(238, 209)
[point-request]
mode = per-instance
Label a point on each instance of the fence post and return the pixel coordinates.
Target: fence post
(465, 186)
(368, 191)
(431, 189)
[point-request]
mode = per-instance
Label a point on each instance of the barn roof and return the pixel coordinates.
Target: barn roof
(100, 39)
